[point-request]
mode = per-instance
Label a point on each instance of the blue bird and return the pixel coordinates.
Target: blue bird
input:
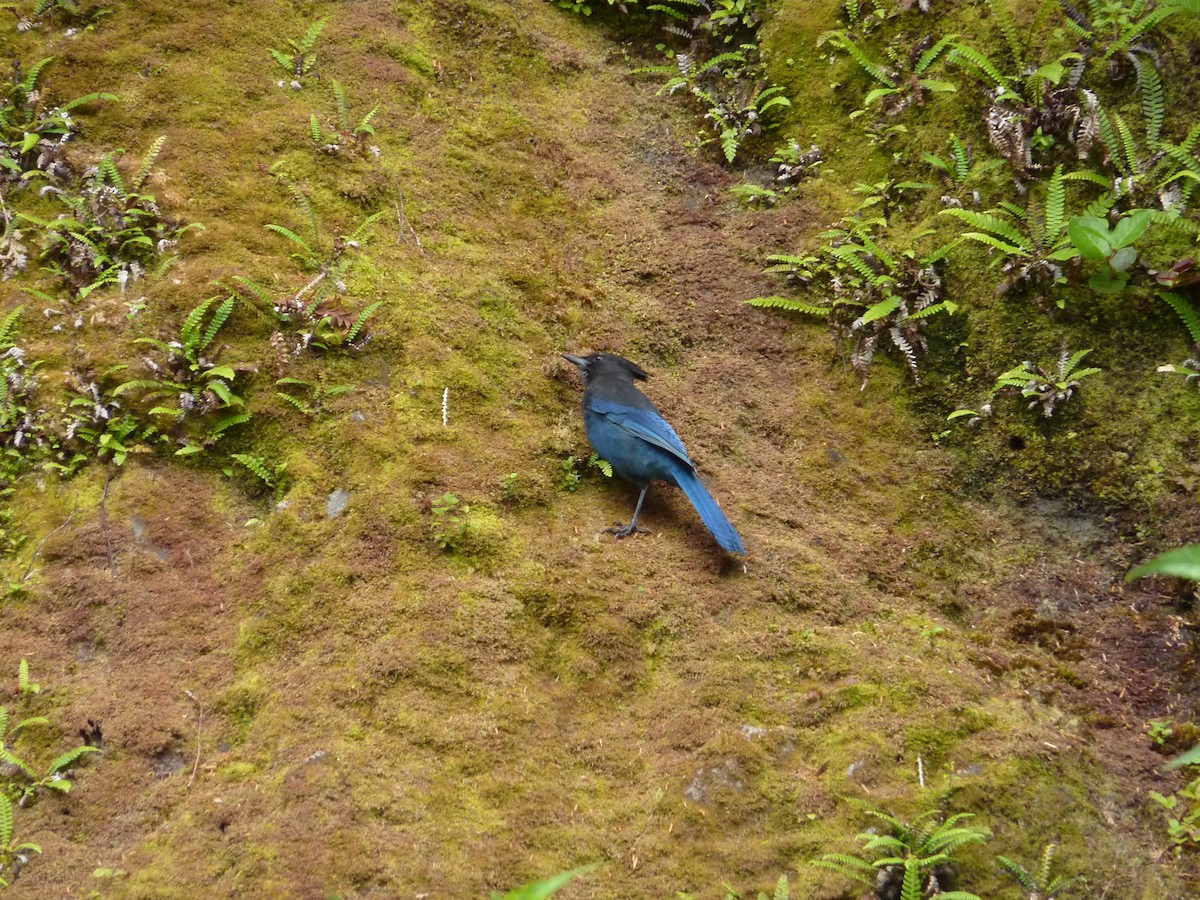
(628, 431)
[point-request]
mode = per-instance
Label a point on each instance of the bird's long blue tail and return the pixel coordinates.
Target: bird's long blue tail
(710, 513)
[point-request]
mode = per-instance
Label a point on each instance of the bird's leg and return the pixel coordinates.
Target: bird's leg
(632, 528)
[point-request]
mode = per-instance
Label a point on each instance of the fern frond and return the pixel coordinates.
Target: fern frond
(362, 233)
(1056, 207)
(89, 98)
(929, 57)
(1101, 206)
(259, 292)
(1134, 31)
(1088, 176)
(1186, 312)
(294, 401)
(365, 125)
(10, 327)
(293, 237)
(962, 159)
(107, 171)
(1108, 137)
(1008, 27)
(1007, 249)
(790, 304)
(219, 318)
(190, 332)
(851, 255)
(362, 320)
(719, 60)
(672, 12)
(967, 54)
(257, 465)
(992, 224)
(310, 37)
(849, 866)
(880, 310)
(314, 129)
(62, 762)
(1153, 100)
(843, 41)
(731, 140)
(1017, 212)
(1128, 144)
(339, 97)
(228, 422)
(148, 162)
(6, 820)
(31, 77)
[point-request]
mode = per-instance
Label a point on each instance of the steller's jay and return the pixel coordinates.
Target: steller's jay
(628, 431)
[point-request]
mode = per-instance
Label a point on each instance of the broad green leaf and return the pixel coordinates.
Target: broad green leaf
(1190, 758)
(1130, 228)
(1090, 234)
(539, 890)
(1183, 562)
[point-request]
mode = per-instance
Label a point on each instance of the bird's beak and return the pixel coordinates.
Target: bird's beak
(578, 360)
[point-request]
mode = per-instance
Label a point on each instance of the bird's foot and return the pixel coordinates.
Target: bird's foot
(624, 531)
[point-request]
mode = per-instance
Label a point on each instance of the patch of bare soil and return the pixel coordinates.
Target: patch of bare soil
(128, 627)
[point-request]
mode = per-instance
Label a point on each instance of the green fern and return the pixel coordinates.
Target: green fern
(357, 327)
(10, 327)
(789, 304)
(962, 53)
(930, 56)
(993, 225)
(1153, 100)
(310, 37)
(1186, 312)
(189, 334)
(1056, 206)
(220, 317)
(148, 161)
(270, 477)
(843, 41)
(1137, 29)
(63, 762)
(1008, 27)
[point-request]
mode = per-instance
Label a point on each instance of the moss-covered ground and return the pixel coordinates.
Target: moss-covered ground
(394, 702)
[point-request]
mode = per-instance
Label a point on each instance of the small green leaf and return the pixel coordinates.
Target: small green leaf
(1106, 282)
(1122, 259)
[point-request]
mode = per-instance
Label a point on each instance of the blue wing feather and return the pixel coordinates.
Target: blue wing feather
(646, 424)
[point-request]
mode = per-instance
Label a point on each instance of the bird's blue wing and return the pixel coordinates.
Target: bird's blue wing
(645, 424)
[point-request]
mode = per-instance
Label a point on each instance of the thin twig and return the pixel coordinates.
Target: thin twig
(402, 221)
(112, 563)
(38, 548)
(199, 724)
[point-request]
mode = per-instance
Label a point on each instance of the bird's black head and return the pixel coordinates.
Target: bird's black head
(597, 365)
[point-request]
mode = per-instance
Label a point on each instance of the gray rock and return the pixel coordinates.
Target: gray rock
(337, 503)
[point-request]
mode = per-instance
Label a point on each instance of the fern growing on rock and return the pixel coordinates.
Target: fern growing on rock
(871, 296)
(1029, 243)
(915, 861)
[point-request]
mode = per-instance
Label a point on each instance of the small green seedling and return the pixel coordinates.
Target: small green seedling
(1112, 248)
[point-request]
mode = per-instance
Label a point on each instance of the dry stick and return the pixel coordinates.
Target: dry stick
(112, 565)
(38, 548)
(199, 725)
(402, 220)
